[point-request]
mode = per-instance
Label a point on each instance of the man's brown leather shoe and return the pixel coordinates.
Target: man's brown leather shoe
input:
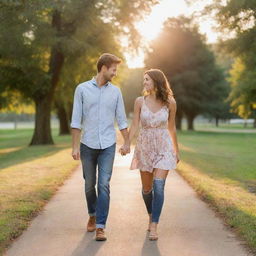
(91, 226)
(100, 235)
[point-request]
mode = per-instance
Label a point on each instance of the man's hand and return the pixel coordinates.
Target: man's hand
(122, 151)
(76, 154)
(125, 149)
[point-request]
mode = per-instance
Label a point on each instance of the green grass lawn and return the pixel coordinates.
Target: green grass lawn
(29, 176)
(222, 125)
(14, 146)
(222, 169)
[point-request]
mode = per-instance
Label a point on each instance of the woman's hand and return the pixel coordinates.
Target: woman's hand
(125, 149)
(177, 157)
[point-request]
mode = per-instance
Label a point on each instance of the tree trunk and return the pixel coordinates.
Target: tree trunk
(63, 120)
(178, 123)
(42, 131)
(254, 123)
(217, 121)
(178, 120)
(69, 111)
(190, 120)
(15, 122)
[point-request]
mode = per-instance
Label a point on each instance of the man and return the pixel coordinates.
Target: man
(97, 103)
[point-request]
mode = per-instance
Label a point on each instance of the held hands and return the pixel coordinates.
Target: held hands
(125, 149)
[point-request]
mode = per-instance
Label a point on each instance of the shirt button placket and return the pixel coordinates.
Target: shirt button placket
(99, 118)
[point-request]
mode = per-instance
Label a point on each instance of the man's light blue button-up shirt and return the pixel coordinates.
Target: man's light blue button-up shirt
(94, 112)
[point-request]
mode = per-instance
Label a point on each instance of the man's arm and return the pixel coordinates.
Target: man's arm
(77, 114)
(135, 124)
(136, 118)
(122, 123)
(172, 127)
(76, 134)
(126, 145)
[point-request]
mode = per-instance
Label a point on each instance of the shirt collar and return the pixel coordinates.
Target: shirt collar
(95, 83)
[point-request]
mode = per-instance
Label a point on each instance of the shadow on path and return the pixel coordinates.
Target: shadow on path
(87, 246)
(150, 248)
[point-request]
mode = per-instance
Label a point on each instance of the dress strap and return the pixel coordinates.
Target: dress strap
(143, 101)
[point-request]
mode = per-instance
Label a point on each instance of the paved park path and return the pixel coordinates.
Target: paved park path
(188, 226)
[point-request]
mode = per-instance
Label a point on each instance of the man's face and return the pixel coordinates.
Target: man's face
(109, 73)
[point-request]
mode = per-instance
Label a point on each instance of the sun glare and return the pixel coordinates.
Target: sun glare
(151, 26)
(135, 60)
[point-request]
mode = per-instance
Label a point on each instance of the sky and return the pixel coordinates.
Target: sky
(150, 27)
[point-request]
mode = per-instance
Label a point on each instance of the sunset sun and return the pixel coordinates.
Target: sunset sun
(151, 26)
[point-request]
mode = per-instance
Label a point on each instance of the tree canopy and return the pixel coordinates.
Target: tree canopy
(43, 41)
(237, 19)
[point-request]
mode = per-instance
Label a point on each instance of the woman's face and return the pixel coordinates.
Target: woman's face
(148, 83)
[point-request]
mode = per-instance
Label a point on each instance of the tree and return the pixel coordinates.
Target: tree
(181, 52)
(38, 37)
(243, 93)
(221, 108)
(237, 18)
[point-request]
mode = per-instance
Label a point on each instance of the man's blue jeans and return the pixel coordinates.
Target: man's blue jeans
(98, 205)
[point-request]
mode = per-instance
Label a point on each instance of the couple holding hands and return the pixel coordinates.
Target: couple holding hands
(97, 104)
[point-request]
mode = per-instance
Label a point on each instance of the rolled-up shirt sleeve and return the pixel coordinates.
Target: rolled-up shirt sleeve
(120, 112)
(77, 113)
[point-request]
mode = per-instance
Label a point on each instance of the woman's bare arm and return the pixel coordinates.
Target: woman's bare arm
(172, 126)
(135, 123)
(136, 118)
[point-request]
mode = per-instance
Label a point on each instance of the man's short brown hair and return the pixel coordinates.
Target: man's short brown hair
(107, 59)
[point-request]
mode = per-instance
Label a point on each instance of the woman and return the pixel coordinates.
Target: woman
(156, 150)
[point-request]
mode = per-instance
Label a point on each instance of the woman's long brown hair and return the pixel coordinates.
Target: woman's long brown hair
(161, 84)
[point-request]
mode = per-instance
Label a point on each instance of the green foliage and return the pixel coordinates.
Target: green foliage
(238, 19)
(36, 31)
(31, 30)
(16, 103)
(49, 44)
(243, 94)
